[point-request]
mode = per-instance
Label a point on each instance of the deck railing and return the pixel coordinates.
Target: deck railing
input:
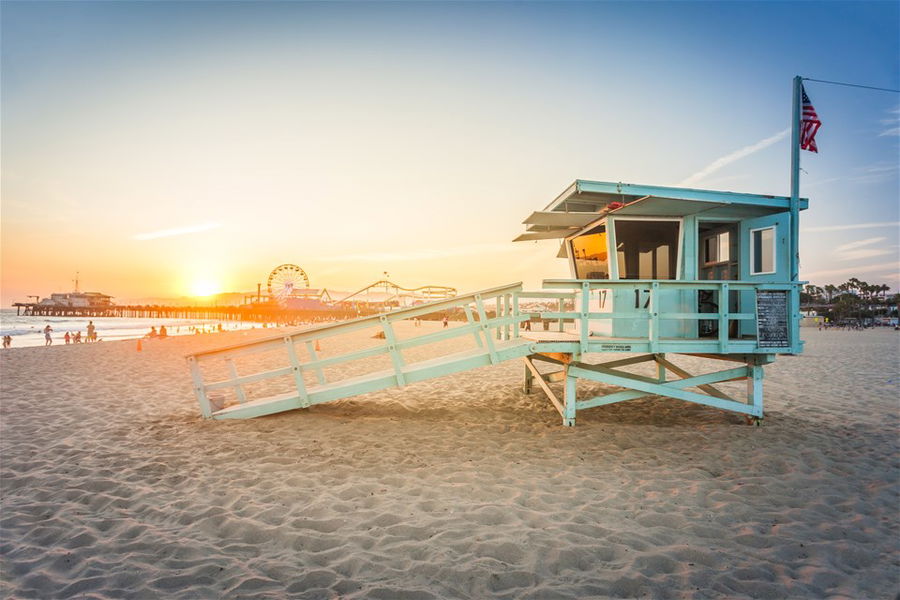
(648, 307)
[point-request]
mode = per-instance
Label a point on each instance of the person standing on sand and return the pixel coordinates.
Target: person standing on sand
(67, 337)
(91, 332)
(446, 322)
(48, 341)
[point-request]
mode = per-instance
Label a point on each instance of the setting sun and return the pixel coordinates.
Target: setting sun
(205, 287)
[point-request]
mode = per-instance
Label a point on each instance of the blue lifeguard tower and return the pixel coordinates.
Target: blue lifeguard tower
(655, 272)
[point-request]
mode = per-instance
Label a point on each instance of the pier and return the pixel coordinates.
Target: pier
(262, 313)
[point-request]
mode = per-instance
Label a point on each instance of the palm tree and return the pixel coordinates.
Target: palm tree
(830, 290)
(810, 292)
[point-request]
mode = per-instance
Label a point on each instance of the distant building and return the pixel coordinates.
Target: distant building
(78, 299)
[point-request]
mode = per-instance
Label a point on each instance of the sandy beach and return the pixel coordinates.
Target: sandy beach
(461, 487)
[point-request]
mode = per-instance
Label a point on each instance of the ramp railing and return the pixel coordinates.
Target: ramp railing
(496, 339)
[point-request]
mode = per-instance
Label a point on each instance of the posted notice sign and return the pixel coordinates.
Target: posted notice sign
(772, 319)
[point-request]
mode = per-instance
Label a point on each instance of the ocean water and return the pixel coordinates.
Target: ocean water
(28, 331)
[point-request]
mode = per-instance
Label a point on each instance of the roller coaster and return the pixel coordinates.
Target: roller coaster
(288, 284)
(389, 293)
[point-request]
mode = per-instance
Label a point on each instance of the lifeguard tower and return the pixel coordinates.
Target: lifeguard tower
(655, 271)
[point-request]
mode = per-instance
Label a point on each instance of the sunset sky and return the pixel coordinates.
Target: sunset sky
(162, 149)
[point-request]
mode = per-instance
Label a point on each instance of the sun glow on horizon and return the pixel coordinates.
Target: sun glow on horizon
(205, 287)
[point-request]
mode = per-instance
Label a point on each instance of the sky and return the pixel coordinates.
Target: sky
(164, 149)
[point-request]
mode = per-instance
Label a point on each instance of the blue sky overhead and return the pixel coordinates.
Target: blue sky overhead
(354, 138)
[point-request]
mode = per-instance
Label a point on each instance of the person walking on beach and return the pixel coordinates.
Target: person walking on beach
(67, 337)
(48, 341)
(91, 332)
(7, 341)
(445, 322)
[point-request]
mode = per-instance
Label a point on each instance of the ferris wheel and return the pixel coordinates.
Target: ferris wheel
(285, 280)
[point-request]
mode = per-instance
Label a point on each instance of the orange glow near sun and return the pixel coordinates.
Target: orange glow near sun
(205, 287)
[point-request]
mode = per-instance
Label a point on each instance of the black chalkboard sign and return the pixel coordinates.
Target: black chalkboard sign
(772, 319)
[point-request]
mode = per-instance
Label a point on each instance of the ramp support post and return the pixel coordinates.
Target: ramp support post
(529, 378)
(755, 389)
(569, 399)
(660, 367)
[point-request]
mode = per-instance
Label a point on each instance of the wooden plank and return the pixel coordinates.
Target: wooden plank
(227, 383)
(199, 390)
(548, 295)
(471, 319)
(755, 389)
(571, 407)
(313, 365)
(560, 322)
(671, 389)
(555, 376)
(314, 357)
(298, 372)
(709, 389)
(557, 218)
(653, 326)
(585, 310)
(562, 358)
(396, 356)
(545, 387)
(238, 388)
(482, 317)
(723, 318)
(261, 407)
(528, 379)
(761, 359)
(623, 362)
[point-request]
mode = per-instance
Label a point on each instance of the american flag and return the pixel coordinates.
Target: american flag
(809, 124)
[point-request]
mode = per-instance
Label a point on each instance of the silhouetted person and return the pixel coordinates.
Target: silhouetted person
(48, 340)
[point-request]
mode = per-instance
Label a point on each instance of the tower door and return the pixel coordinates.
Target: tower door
(765, 258)
(765, 249)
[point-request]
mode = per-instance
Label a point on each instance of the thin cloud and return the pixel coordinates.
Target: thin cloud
(892, 123)
(176, 231)
(875, 173)
(849, 270)
(859, 243)
(848, 227)
(420, 255)
(734, 156)
(861, 253)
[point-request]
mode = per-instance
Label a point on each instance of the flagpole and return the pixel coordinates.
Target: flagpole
(794, 294)
(795, 181)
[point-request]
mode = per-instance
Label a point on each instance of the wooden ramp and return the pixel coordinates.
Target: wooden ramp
(495, 336)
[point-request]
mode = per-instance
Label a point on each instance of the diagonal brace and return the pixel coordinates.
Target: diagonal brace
(709, 389)
(642, 386)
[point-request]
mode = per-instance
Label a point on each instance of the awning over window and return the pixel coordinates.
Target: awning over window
(586, 201)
